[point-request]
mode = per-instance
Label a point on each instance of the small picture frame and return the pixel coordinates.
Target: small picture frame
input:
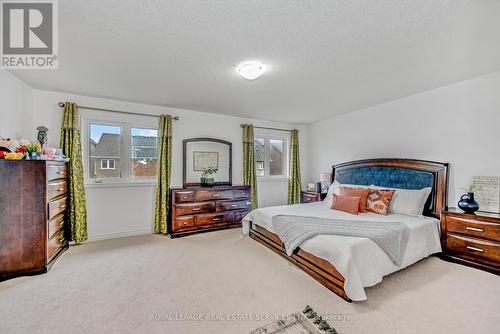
(311, 186)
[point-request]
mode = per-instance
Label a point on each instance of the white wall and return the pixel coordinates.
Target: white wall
(15, 107)
(459, 124)
(118, 211)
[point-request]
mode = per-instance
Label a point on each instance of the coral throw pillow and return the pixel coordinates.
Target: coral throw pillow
(346, 203)
(361, 192)
(379, 201)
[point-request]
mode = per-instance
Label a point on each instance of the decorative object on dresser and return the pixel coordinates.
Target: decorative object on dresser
(471, 239)
(310, 196)
(199, 209)
(468, 204)
(206, 154)
(33, 233)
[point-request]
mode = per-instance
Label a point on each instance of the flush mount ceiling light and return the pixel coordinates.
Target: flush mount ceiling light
(251, 70)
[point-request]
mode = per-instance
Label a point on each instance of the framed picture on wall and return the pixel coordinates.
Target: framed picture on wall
(202, 160)
(311, 186)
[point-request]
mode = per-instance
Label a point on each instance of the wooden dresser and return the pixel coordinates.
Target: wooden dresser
(201, 209)
(473, 240)
(32, 216)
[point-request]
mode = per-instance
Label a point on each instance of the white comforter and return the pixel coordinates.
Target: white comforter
(359, 260)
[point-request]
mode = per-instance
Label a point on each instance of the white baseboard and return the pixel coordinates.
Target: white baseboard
(115, 235)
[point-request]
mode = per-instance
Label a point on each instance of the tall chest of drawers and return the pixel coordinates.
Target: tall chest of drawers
(33, 205)
(471, 239)
(201, 209)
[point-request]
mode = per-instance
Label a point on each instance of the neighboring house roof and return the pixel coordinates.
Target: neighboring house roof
(107, 146)
(143, 147)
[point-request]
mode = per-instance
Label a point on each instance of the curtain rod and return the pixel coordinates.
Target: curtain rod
(266, 128)
(175, 118)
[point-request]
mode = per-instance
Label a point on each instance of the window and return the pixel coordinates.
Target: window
(107, 164)
(104, 145)
(117, 148)
(271, 156)
(144, 154)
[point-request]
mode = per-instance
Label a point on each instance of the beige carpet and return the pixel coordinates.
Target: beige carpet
(118, 286)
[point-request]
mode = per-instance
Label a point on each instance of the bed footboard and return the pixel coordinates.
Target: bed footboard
(321, 270)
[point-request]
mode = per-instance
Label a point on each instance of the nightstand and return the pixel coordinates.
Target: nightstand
(308, 197)
(471, 239)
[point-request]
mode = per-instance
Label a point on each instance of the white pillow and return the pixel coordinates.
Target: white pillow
(335, 189)
(409, 202)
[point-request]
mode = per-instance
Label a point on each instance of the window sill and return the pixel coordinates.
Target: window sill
(272, 179)
(92, 185)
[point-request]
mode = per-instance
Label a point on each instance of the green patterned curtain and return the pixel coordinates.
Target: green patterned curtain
(249, 172)
(163, 173)
(71, 146)
(294, 178)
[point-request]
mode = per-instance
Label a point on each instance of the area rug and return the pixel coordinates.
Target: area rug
(307, 322)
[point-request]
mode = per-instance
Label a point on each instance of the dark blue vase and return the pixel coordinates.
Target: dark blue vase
(468, 204)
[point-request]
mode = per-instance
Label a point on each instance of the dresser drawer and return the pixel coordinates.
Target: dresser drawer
(241, 193)
(473, 249)
(56, 172)
(236, 205)
(208, 195)
(55, 243)
(56, 207)
(189, 209)
(182, 223)
(184, 196)
(474, 228)
(213, 219)
(55, 225)
(56, 189)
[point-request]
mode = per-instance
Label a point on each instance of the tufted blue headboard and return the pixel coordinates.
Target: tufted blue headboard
(399, 173)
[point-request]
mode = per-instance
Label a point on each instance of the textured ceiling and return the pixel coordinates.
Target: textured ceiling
(325, 57)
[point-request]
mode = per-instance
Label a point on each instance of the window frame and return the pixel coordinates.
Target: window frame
(107, 163)
(126, 123)
(269, 135)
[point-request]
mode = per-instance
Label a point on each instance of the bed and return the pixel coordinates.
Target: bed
(345, 264)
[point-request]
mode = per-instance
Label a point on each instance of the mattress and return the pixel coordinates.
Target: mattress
(361, 261)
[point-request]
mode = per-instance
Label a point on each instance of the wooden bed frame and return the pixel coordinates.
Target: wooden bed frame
(323, 271)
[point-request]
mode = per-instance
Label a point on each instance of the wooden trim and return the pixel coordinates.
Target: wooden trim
(198, 184)
(321, 270)
(438, 169)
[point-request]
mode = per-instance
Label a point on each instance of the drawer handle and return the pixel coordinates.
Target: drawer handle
(248, 203)
(196, 209)
(59, 173)
(62, 206)
(184, 197)
(61, 223)
(216, 219)
(215, 195)
(474, 249)
(60, 189)
(234, 205)
(242, 193)
(185, 223)
(61, 240)
(475, 229)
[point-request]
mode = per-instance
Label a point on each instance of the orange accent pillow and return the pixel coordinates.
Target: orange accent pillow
(346, 203)
(361, 192)
(379, 201)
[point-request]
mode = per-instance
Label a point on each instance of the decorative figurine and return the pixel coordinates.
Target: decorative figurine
(42, 135)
